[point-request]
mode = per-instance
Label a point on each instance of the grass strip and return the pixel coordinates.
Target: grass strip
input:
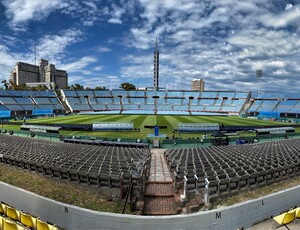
(258, 192)
(59, 190)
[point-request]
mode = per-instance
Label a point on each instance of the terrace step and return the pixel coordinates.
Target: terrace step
(160, 206)
(159, 191)
(164, 189)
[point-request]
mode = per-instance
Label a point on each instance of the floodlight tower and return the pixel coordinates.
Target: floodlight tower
(156, 68)
(259, 74)
(34, 49)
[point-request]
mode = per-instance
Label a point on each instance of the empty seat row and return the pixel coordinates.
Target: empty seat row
(11, 218)
(230, 169)
(164, 101)
(287, 217)
(92, 164)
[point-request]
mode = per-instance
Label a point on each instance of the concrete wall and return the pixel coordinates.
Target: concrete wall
(72, 217)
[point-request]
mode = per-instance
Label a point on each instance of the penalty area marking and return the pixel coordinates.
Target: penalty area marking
(73, 133)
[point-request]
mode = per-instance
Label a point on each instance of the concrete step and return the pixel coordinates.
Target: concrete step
(160, 206)
(159, 196)
(158, 168)
(159, 189)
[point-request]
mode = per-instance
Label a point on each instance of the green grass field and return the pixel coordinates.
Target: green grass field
(146, 120)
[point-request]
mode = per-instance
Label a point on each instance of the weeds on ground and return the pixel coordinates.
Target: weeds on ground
(59, 190)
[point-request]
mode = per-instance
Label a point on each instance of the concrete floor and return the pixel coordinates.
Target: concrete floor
(159, 170)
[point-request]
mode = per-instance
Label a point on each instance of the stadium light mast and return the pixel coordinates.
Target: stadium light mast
(34, 49)
(156, 68)
(259, 74)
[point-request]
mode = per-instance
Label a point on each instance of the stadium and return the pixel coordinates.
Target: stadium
(166, 154)
(100, 132)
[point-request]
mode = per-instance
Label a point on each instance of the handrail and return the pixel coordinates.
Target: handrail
(127, 195)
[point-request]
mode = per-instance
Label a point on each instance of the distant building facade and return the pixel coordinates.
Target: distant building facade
(198, 85)
(43, 74)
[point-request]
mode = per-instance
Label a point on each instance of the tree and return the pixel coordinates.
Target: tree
(79, 87)
(5, 84)
(72, 87)
(12, 85)
(98, 88)
(127, 86)
(76, 87)
(39, 88)
(21, 87)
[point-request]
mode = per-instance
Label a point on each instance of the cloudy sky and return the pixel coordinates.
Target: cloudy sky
(108, 42)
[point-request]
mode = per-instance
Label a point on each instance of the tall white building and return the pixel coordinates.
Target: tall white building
(42, 74)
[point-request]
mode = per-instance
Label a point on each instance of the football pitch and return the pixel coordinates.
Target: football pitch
(140, 121)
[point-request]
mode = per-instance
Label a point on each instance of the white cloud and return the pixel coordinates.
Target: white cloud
(103, 49)
(115, 21)
(289, 6)
(277, 64)
(80, 65)
(52, 47)
(222, 41)
(182, 36)
(142, 39)
(20, 11)
(7, 62)
(288, 17)
(98, 68)
(91, 4)
(116, 14)
(154, 10)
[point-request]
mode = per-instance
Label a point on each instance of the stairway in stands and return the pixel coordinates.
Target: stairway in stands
(159, 192)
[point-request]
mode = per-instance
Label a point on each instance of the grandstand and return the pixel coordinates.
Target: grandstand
(156, 102)
(167, 102)
(197, 175)
(27, 103)
(171, 102)
(274, 105)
